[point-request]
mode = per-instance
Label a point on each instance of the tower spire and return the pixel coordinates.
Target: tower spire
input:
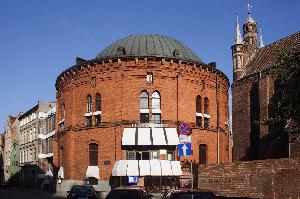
(250, 19)
(261, 42)
(238, 38)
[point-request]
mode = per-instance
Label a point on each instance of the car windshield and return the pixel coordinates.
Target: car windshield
(199, 195)
(123, 194)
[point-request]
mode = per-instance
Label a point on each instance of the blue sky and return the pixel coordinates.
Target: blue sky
(40, 39)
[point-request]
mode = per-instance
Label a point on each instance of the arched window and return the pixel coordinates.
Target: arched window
(206, 115)
(98, 102)
(199, 111)
(98, 110)
(155, 100)
(144, 107)
(93, 154)
(144, 101)
(198, 104)
(206, 104)
(89, 103)
(156, 112)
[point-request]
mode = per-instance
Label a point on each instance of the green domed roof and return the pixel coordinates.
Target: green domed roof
(148, 45)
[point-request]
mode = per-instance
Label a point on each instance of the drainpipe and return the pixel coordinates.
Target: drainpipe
(218, 115)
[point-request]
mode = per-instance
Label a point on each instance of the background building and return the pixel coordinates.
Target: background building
(11, 150)
(123, 107)
(252, 90)
(30, 173)
(45, 155)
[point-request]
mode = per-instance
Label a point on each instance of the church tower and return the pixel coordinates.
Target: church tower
(250, 36)
(237, 52)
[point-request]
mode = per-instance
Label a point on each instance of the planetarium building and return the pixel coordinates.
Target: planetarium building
(119, 115)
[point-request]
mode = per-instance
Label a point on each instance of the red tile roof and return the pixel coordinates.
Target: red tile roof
(267, 56)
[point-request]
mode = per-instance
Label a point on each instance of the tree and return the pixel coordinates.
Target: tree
(284, 107)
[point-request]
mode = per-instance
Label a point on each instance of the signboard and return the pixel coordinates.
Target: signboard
(185, 139)
(184, 149)
(132, 179)
(184, 129)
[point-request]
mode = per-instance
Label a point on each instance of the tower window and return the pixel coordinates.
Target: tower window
(98, 102)
(89, 103)
(206, 104)
(89, 121)
(144, 107)
(149, 77)
(199, 111)
(206, 122)
(156, 112)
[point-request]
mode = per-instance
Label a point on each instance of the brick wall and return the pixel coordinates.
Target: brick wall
(273, 178)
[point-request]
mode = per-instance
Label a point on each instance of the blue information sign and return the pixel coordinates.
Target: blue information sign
(184, 149)
(132, 179)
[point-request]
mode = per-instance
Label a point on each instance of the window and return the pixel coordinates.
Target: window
(202, 153)
(206, 122)
(198, 121)
(144, 100)
(170, 155)
(199, 111)
(142, 155)
(155, 100)
(156, 113)
(198, 104)
(89, 103)
(154, 155)
(89, 121)
(144, 107)
(98, 102)
(98, 108)
(97, 120)
(93, 154)
(156, 118)
(206, 105)
(129, 155)
(149, 77)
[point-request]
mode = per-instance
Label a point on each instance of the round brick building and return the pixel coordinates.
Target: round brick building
(118, 114)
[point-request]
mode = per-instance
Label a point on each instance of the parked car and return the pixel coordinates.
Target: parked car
(128, 194)
(188, 194)
(82, 192)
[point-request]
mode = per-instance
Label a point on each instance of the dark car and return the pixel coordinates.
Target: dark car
(82, 192)
(128, 194)
(189, 194)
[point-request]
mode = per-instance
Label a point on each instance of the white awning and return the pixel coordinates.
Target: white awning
(176, 168)
(172, 136)
(61, 172)
(155, 168)
(144, 167)
(166, 169)
(120, 168)
(158, 136)
(92, 171)
(144, 136)
(128, 136)
(147, 168)
(132, 168)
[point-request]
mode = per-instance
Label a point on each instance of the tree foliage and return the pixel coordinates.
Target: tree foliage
(284, 107)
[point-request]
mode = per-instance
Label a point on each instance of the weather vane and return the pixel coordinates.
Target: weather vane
(249, 8)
